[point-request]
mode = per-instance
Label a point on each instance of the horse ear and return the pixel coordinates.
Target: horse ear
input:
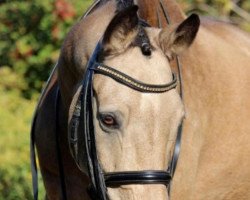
(174, 41)
(121, 31)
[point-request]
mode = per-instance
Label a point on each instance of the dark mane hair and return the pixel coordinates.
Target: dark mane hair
(142, 39)
(122, 4)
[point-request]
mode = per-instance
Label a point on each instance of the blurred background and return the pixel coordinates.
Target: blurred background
(31, 33)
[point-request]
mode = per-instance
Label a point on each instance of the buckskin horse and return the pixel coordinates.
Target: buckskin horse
(132, 126)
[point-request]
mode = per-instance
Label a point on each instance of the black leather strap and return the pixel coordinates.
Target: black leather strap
(32, 133)
(165, 13)
(88, 132)
(58, 147)
(33, 159)
(177, 149)
(58, 151)
(116, 179)
(175, 157)
(131, 82)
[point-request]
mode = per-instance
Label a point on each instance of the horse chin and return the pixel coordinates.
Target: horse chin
(134, 192)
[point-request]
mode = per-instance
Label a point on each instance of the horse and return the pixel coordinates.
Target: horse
(136, 131)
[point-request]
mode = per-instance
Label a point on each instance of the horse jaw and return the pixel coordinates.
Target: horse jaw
(138, 192)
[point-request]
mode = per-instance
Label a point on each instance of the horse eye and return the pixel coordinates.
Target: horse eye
(108, 120)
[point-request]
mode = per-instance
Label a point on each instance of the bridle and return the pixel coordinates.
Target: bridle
(83, 128)
(82, 133)
(83, 123)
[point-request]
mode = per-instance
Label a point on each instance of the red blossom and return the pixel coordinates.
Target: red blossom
(55, 32)
(64, 10)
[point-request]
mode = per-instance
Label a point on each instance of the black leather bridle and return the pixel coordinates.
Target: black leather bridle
(82, 128)
(82, 133)
(83, 124)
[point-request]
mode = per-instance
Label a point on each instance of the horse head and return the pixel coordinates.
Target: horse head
(136, 130)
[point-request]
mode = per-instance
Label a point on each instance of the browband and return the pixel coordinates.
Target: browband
(131, 82)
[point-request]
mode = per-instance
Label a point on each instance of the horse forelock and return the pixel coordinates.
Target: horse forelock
(122, 4)
(141, 40)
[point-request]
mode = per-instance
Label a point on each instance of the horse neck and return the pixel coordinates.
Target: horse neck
(149, 8)
(78, 47)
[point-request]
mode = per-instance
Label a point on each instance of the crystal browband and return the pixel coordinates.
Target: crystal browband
(133, 83)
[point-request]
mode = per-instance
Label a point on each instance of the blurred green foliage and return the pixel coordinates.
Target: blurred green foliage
(31, 36)
(31, 33)
(15, 114)
(235, 11)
